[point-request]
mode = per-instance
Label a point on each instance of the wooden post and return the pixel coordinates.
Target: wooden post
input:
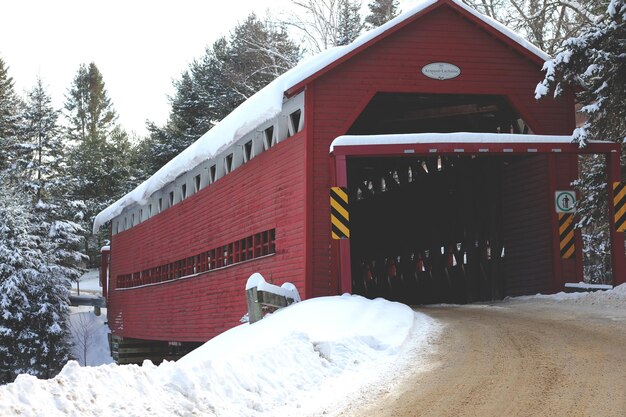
(345, 268)
(618, 257)
(255, 311)
(104, 270)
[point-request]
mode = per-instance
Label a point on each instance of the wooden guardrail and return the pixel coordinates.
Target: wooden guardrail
(262, 296)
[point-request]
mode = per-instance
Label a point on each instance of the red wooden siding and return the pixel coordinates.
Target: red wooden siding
(265, 193)
(526, 216)
(488, 66)
(566, 167)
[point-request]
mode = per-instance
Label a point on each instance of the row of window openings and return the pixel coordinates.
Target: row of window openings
(268, 142)
(251, 247)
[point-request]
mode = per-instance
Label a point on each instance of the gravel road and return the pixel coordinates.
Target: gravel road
(521, 358)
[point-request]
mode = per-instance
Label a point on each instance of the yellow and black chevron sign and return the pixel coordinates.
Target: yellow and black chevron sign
(619, 202)
(566, 235)
(339, 215)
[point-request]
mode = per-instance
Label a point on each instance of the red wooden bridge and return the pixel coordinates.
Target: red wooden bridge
(462, 217)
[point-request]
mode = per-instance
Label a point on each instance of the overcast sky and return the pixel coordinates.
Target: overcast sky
(140, 46)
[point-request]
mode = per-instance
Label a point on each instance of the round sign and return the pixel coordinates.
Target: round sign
(565, 201)
(441, 70)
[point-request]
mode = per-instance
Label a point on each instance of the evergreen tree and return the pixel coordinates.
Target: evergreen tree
(381, 11)
(44, 174)
(9, 117)
(231, 70)
(593, 64)
(349, 22)
(99, 170)
(189, 119)
(40, 149)
(89, 109)
(33, 320)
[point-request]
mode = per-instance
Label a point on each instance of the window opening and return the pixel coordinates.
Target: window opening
(295, 120)
(268, 138)
(160, 204)
(212, 172)
(196, 183)
(248, 248)
(171, 198)
(183, 191)
(228, 163)
(247, 151)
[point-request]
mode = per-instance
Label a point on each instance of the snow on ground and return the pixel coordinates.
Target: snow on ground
(89, 282)
(302, 360)
(90, 336)
(614, 299)
(603, 305)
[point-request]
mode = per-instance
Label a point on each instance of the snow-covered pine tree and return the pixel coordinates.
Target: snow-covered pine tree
(33, 298)
(40, 150)
(381, 11)
(349, 22)
(42, 169)
(9, 117)
(594, 65)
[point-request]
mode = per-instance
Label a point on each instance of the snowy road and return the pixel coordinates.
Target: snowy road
(518, 358)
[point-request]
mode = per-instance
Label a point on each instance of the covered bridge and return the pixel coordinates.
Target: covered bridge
(454, 175)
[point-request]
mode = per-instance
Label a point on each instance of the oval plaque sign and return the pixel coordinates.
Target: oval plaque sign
(441, 70)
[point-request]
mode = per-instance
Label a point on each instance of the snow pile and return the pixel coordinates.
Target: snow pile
(267, 104)
(613, 299)
(294, 362)
(286, 290)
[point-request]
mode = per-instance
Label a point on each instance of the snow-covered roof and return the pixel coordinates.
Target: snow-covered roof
(456, 137)
(267, 103)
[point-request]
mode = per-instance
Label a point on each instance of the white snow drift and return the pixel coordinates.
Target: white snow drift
(295, 362)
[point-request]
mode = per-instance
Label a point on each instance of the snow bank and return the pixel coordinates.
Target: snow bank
(290, 363)
(265, 105)
(614, 299)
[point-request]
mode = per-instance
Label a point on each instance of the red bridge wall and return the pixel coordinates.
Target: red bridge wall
(488, 66)
(260, 195)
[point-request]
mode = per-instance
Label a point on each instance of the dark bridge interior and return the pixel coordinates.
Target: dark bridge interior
(436, 113)
(430, 229)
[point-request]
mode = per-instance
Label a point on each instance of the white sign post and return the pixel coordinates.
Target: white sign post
(564, 201)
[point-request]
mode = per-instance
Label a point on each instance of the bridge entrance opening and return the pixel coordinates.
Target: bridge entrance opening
(446, 227)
